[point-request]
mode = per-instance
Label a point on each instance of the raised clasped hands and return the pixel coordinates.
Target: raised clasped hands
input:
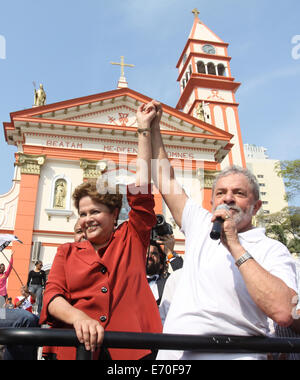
(149, 114)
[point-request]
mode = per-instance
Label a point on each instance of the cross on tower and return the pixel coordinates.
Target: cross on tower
(196, 12)
(122, 64)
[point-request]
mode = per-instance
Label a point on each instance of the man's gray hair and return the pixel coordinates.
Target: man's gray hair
(238, 170)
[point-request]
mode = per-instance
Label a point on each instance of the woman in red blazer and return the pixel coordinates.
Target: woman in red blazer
(100, 284)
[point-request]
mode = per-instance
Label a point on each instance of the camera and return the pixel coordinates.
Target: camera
(161, 228)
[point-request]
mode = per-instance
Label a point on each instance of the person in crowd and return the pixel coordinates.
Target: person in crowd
(158, 260)
(26, 300)
(79, 234)
(230, 285)
(36, 284)
(9, 304)
(4, 276)
(168, 293)
(175, 261)
(157, 270)
(18, 318)
(100, 283)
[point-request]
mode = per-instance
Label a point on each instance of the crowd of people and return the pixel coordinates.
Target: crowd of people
(31, 294)
(115, 278)
(19, 312)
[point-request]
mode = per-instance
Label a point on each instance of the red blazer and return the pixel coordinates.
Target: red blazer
(109, 285)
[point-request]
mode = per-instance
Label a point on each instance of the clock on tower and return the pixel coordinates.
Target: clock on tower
(208, 49)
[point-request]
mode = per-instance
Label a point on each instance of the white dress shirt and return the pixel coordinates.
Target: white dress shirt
(212, 298)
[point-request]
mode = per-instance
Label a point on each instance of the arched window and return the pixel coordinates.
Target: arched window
(187, 77)
(190, 69)
(221, 70)
(201, 67)
(183, 84)
(211, 69)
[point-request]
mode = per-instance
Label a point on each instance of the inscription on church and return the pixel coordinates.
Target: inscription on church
(119, 149)
(108, 146)
(126, 150)
(64, 144)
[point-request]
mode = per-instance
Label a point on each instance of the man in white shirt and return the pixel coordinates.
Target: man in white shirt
(168, 294)
(230, 286)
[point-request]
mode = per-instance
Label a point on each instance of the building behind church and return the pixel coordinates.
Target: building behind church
(272, 189)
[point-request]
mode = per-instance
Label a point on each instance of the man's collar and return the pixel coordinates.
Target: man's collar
(254, 235)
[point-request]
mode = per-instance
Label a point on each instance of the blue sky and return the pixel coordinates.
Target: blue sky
(68, 46)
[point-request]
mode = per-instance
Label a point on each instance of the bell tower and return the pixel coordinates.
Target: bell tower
(207, 88)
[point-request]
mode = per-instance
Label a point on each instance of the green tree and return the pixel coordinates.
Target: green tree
(284, 226)
(290, 172)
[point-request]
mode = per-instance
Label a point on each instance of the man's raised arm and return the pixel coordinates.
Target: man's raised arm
(163, 173)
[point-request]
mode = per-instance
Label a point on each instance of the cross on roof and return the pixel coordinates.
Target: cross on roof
(122, 64)
(196, 12)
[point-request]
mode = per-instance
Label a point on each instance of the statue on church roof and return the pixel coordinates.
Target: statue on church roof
(39, 96)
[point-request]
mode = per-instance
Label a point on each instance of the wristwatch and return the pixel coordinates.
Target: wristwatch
(246, 256)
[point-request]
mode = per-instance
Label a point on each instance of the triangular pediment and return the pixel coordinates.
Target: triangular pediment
(113, 114)
(115, 108)
(202, 32)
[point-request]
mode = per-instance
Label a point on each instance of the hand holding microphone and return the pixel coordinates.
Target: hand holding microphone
(218, 224)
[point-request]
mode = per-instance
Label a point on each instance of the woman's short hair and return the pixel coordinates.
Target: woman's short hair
(89, 189)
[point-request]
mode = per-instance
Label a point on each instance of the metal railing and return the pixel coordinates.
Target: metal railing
(207, 344)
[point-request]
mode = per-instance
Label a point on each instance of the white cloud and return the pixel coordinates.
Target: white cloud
(264, 79)
(2, 47)
(145, 12)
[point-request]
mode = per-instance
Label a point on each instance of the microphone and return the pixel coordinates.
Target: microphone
(218, 223)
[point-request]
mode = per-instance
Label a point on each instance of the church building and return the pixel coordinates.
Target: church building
(61, 145)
